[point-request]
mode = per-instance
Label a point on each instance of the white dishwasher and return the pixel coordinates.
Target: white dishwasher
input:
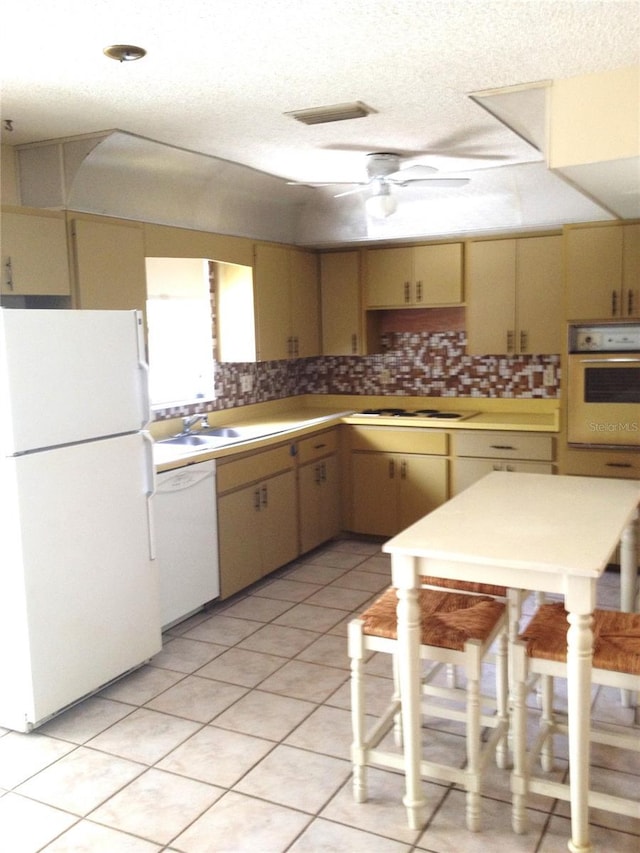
(186, 533)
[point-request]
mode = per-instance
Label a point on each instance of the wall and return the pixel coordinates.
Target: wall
(419, 364)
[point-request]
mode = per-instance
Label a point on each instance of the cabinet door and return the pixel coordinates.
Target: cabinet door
(423, 487)
(374, 493)
(271, 301)
(340, 298)
(594, 272)
(34, 255)
(631, 271)
(239, 539)
(309, 503)
(539, 295)
(305, 303)
(110, 265)
(491, 276)
(278, 521)
(389, 277)
(467, 471)
(319, 502)
(437, 274)
(330, 514)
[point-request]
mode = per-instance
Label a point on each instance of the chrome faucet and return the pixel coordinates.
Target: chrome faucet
(190, 422)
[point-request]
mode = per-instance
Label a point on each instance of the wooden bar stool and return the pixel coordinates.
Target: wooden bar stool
(456, 629)
(542, 650)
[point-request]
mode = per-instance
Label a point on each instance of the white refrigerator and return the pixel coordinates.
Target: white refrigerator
(79, 588)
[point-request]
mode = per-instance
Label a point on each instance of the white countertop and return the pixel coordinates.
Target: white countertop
(528, 522)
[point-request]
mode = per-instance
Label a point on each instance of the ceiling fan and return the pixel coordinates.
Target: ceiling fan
(383, 173)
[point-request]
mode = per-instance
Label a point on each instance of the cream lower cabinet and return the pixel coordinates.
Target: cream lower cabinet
(479, 453)
(257, 517)
(318, 489)
(397, 476)
(622, 464)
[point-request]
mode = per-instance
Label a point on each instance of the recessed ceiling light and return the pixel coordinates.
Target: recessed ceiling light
(124, 52)
(334, 112)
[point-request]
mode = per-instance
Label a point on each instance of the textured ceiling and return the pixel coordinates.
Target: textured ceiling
(220, 75)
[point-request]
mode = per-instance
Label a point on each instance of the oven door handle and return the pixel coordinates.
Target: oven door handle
(621, 360)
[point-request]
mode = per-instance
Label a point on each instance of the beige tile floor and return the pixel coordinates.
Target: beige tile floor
(236, 738)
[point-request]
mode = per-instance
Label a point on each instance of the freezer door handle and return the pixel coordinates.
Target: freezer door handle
(150, 489)
(143, 366)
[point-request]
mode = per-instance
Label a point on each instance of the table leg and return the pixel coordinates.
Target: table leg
(408, 626)
(579, 655)
(628, 582)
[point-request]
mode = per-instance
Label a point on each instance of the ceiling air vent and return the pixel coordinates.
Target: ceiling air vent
(335, 112)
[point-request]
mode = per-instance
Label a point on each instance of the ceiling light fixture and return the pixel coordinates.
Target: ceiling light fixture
(382, 203)
(335, 112)
(124, 52)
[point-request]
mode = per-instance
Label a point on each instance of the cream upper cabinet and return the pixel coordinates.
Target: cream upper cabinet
(286, 298)
(603, 272)
(34, 254)
(109, 264)
(514, 295)
(341, 307)
(414, 277)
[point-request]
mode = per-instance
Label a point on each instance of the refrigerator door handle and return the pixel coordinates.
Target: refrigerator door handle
(143, 365)
(150, 491)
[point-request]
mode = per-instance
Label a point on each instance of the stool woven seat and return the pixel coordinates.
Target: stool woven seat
(616, 637)
(456, 629)
(541, 650)
(448, 621)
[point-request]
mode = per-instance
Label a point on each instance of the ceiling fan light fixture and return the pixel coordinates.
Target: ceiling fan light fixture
(334, 112)
(124, 52)
(382, 203)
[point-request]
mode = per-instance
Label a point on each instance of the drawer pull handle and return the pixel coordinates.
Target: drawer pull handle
(502, 447)
(319, 446)
(619, 465)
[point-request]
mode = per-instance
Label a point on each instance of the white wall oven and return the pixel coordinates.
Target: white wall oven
(603, 385)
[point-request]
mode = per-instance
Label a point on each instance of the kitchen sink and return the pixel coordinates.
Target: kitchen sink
(190, 440)
(220, 432)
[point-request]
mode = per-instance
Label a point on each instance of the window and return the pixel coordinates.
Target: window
(181, 363)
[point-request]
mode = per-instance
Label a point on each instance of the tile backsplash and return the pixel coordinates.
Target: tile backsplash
(429, 364)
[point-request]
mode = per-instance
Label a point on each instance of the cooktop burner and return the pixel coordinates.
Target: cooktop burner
(419, 413)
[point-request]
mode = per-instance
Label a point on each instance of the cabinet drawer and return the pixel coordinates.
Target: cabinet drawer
(251, 469)
(504, 445)
(399, 440)
(624, 465)
(317, 446)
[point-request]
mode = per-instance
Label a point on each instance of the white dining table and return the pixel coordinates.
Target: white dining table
(537, 532)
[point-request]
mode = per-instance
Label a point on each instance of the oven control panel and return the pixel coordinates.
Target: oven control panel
(619, 337)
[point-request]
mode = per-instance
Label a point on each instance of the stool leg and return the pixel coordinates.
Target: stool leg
(356, 653)
(473, 745)
(519, 774)
(502, 699)
(547, 720)
(397, 720)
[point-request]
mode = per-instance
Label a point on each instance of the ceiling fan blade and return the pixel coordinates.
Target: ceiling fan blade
(413, 173)
(434, 182)
(358, 189)
(324, 184)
